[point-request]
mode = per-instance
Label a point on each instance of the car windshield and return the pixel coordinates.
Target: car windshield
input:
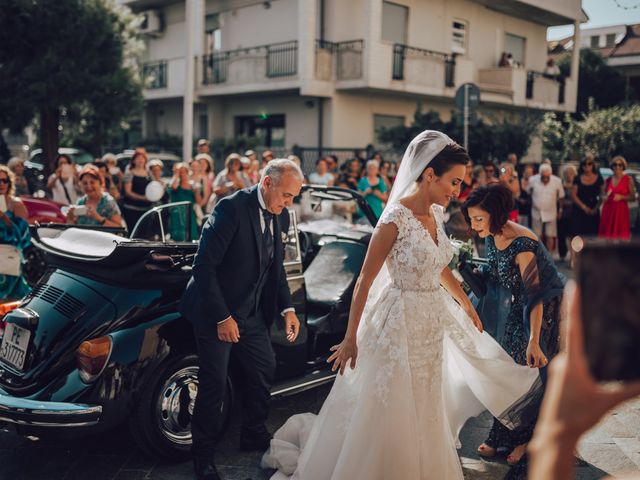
(331, 207)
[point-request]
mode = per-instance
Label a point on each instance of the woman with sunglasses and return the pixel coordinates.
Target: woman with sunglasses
(619, 191)
(14, 230)
(587, 193)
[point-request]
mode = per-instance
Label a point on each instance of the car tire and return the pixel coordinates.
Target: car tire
(161, 421)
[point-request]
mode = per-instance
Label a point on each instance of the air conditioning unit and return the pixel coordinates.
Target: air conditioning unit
(152, 22)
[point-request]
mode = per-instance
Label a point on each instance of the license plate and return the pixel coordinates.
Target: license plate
(14, 345)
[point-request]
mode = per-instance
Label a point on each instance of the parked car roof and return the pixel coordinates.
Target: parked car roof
(79, 157)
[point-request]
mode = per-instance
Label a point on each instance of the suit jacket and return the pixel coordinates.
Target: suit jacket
(227, 265)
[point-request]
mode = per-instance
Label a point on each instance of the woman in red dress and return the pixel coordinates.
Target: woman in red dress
(619, 191)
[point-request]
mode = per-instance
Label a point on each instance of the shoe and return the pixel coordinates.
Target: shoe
(255, 440)
(205, 470)
(486, 451)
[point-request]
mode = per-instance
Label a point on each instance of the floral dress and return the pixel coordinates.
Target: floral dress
(107, 207)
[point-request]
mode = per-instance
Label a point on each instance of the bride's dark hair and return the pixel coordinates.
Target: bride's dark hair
(451, 155)
(496, 200)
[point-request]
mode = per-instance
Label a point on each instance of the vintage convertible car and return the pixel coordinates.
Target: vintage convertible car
(99, 341)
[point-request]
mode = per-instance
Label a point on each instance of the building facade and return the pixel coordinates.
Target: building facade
(329, 73)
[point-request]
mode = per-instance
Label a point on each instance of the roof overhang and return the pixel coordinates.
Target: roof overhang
(544, 12)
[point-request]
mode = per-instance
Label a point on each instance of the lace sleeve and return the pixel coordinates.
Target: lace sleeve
(392, 214)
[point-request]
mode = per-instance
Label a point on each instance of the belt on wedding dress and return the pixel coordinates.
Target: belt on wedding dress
(431, 289)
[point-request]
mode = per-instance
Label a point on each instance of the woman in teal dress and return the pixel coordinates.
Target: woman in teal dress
(183, 190)
(373, 188)
(14, 230)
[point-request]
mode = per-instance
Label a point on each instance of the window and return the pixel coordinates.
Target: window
(385, 121)
(269, 129)
(394, 22)
(212, 37)
(595, 41)
(611, 39)
(459, 37)
(203, 126)
(515, 45)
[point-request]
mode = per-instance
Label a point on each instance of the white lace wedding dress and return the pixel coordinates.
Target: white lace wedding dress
(422, 371)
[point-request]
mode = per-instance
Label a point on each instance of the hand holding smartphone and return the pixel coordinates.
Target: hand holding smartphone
(608, 275)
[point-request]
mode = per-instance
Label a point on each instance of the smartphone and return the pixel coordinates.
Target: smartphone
(67, 171)
(3, 204)
(608, 275)
(80, 210)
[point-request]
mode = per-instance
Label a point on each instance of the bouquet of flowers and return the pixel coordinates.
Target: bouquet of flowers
(462, 263)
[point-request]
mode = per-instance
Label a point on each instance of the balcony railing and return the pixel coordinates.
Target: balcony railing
(339, 60)
(155, 74)
(402, 53)
(245, 65)
(546, 90)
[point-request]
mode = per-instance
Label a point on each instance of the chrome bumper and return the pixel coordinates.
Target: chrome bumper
(34, 413)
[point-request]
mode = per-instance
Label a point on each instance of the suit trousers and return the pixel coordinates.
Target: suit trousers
(256, 359)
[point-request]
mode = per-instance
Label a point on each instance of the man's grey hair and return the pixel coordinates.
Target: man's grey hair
(13, 162)
(545, 168)
(276, 168)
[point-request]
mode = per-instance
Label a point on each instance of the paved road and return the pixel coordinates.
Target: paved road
(612, 447)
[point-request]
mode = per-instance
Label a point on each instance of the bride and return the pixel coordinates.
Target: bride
(423, 364)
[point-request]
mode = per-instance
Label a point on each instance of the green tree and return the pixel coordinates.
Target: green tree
(71, 56)
(489, 139)
(596, 80)
(604, 133)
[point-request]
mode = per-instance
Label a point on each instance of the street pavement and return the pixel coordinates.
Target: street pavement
(610, 448)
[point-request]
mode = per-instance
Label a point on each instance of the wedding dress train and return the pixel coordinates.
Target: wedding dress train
(423, 369)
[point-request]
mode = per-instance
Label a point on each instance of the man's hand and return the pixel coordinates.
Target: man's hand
(228, 331)
(291, 326)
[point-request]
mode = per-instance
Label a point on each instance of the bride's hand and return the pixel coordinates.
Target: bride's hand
(535, 357)
(475, 319)
(347, 349)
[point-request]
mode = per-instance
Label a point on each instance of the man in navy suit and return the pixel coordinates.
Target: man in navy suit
(237, 288)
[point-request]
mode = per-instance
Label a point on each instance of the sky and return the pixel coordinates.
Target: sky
(602, 13)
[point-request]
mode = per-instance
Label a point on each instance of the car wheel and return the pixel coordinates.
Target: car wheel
(161, 422)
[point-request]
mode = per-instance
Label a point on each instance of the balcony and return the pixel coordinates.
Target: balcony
(545, 89)
(418, 66)
(155, 75)
(339, 60)
(520, 87)
(248, 68)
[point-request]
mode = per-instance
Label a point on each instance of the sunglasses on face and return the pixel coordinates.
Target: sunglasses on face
(590, 163)
(617, 165)
(4, 181)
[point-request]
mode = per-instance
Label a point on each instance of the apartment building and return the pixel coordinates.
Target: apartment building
(329, 73)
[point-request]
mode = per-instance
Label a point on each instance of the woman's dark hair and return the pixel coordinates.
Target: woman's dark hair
(451, 155)
(495, 199)
(61, 156)
(583, 164)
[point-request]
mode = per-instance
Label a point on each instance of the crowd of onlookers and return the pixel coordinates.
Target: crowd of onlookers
(577, 202)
